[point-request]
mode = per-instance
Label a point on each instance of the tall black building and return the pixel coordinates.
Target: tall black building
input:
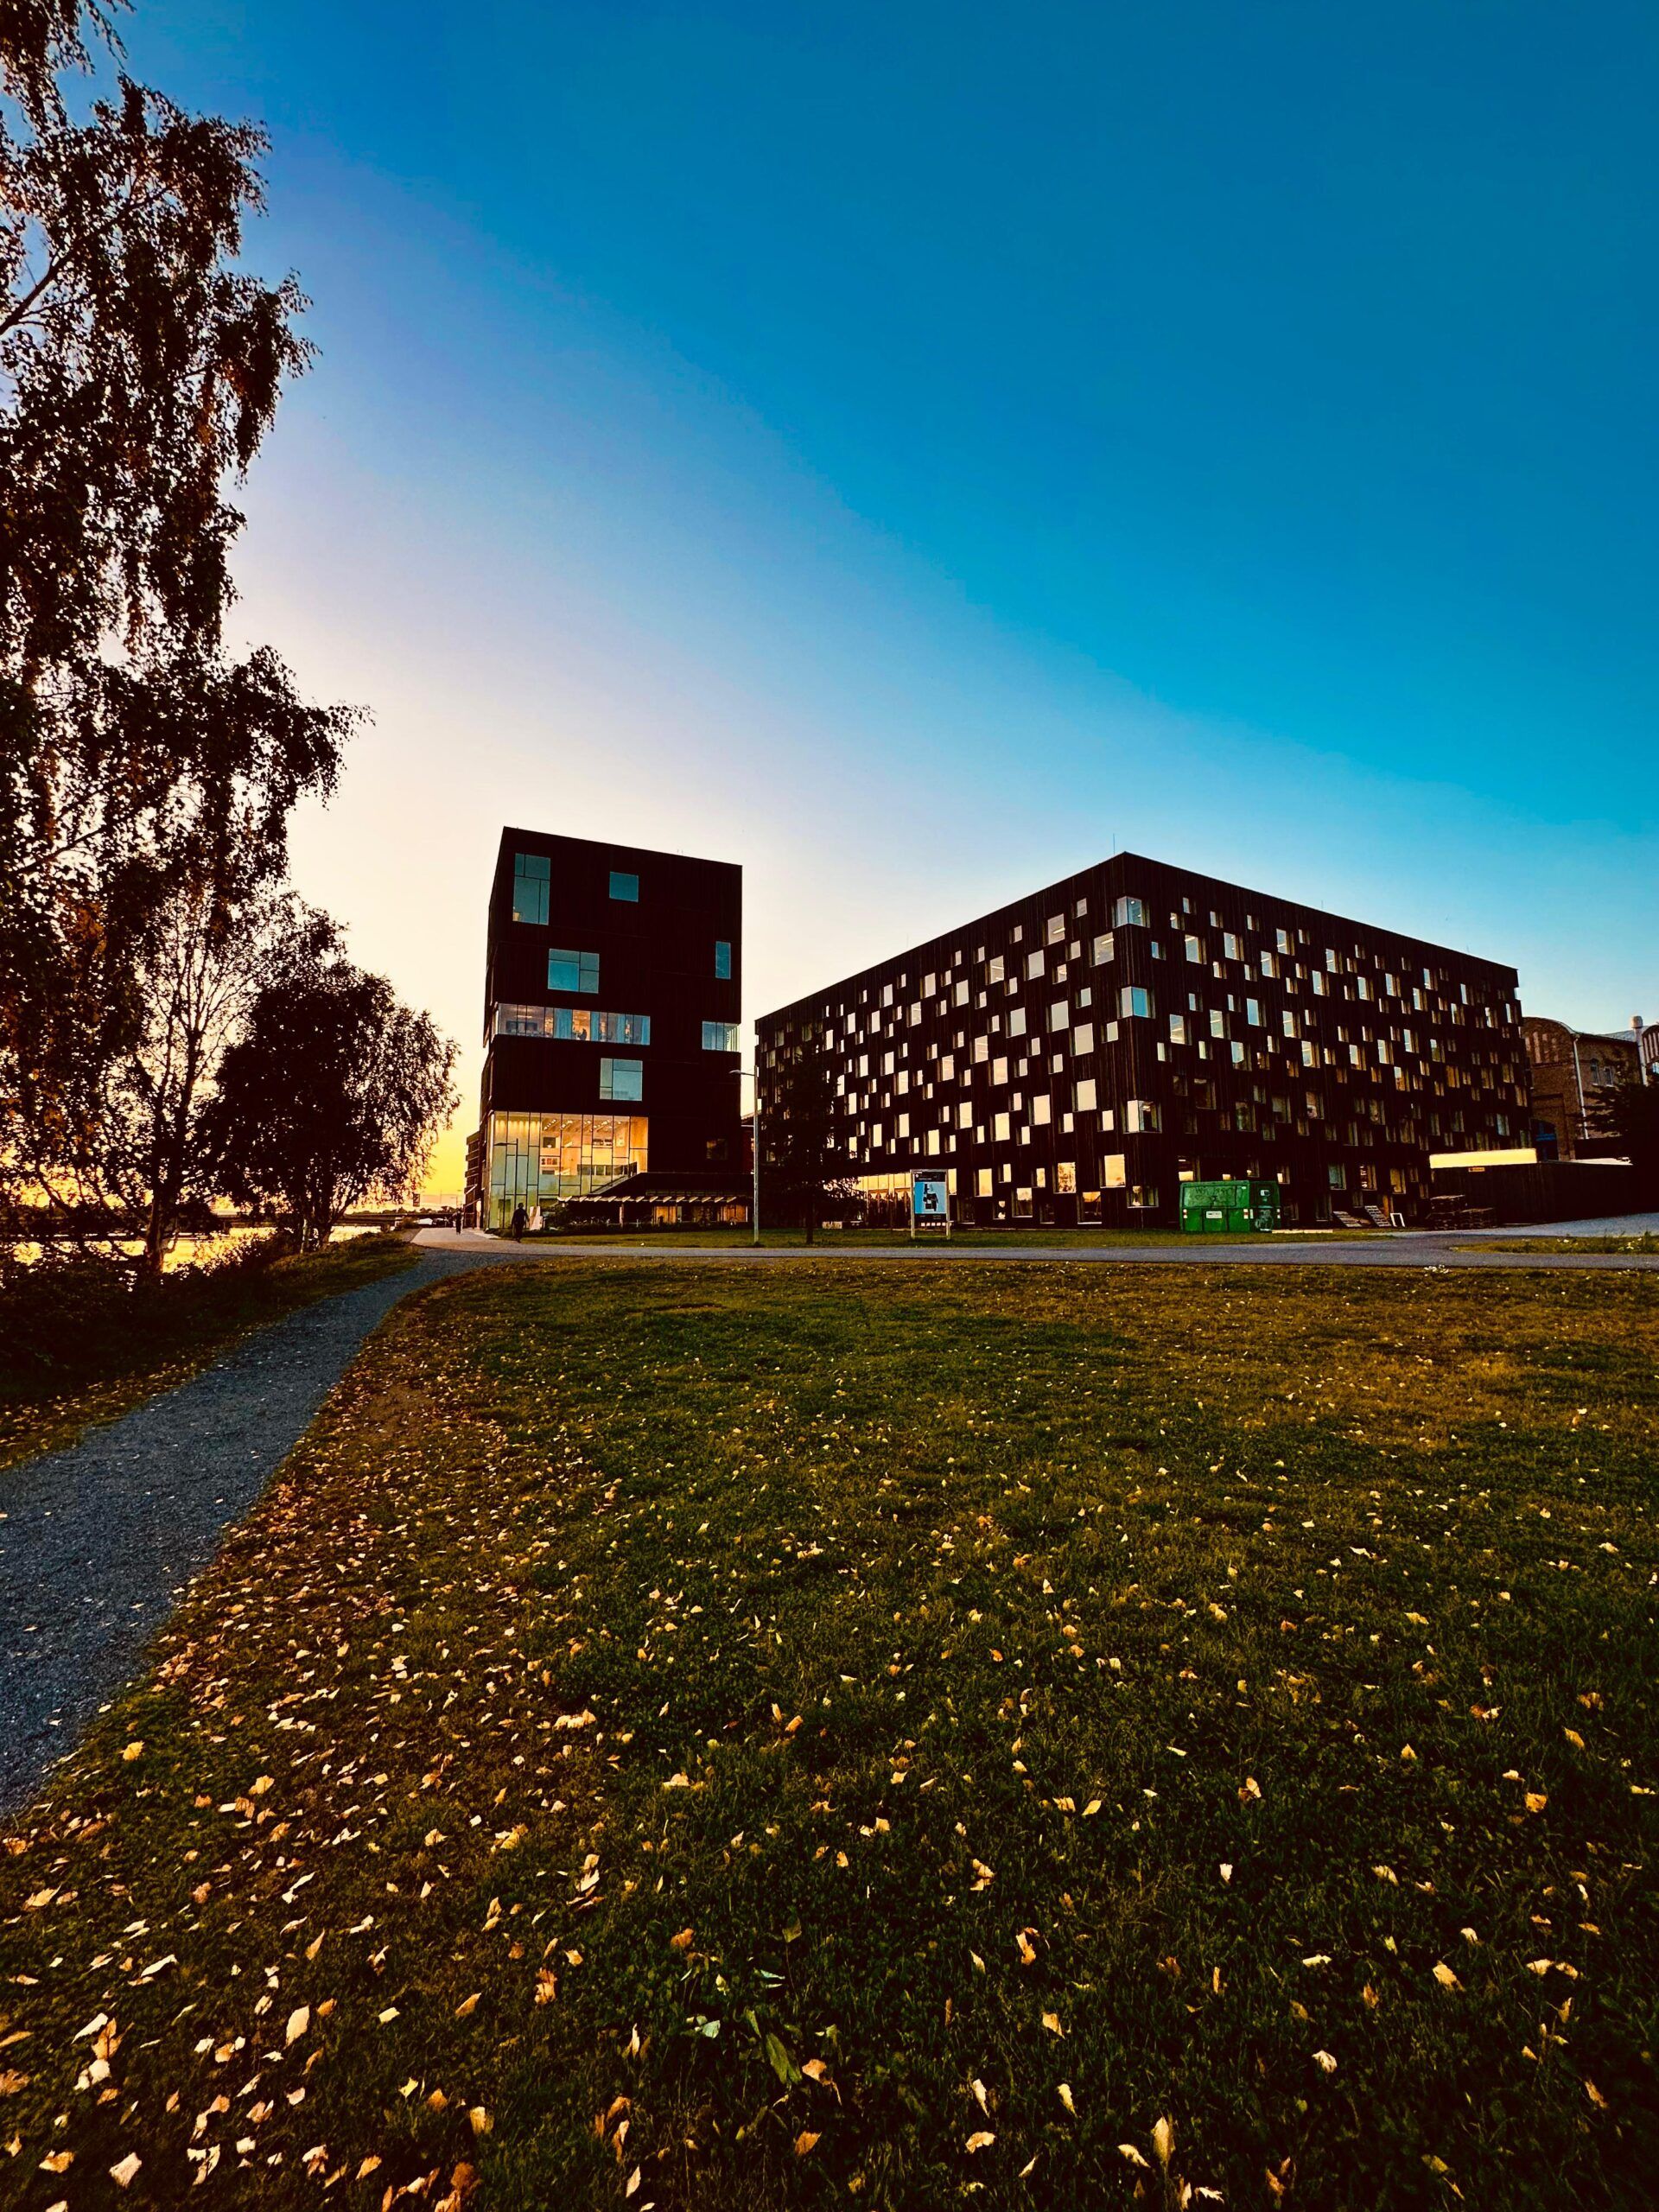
(1074, 1056)
(612, 990)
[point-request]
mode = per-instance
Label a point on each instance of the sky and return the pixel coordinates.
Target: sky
(917, 452)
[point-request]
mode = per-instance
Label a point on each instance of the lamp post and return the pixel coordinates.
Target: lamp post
(754, 1148)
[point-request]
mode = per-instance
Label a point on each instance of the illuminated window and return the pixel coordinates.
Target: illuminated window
(1141, 1113)
(723, 960)
(625, 887)
(531, 873)
(1129, 912)
(1133, 1000)
(1111, 1171)
(718, 1037)
(576, 1024)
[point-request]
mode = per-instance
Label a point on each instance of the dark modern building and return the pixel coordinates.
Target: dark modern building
(1073, 1057)
(611, 989)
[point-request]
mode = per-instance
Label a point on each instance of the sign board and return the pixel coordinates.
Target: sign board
(929, 1200)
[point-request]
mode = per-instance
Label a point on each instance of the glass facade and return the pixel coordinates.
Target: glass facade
(533, 1159)
(625, 886)
(720, 1036)
(723, 960)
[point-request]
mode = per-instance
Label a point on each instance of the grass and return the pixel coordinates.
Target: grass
(107, 1346)
(1643, 1242)
(702, 1739)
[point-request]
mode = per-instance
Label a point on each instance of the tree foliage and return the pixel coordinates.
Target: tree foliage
(333, 1092)
(155, 1152)
(803, 1165)
(140, 367)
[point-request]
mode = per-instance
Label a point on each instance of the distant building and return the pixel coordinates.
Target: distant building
(1076, 1055)
(613, 983)
(1567, 1067)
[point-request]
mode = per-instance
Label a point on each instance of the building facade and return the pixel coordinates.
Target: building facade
(1567, 1068)
(1073, 1057)
(613, 983)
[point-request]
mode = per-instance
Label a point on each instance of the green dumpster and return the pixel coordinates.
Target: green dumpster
(1226, 1208)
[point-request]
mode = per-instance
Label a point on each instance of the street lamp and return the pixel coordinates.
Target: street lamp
(755, 1147)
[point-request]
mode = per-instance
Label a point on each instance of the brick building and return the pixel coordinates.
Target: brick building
(1073, 1056)
(1566, 1067)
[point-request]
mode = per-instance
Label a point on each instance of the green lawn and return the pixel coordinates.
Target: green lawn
(1063, 1737)
(108, 1346)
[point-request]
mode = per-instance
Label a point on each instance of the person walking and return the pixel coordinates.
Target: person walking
(519, 1218)
(460, 1216)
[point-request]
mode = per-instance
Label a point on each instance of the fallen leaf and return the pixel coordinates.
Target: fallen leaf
(981, 2139)
(803, 2142)
(123, 2172)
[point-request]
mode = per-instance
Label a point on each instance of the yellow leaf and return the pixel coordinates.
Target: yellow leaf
(57, 2162)
(124, 2170)
(981, 2139)
(803, 2142)
(1535, 1801)
(480, 2120)
(298, 2021)
(1163, 2139)
(130, 1751)
(1445, 1976)
(1052, 2022)
(467, 2005)
(1127, 2150)
(1064, 2093)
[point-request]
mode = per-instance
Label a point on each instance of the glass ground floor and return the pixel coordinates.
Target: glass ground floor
(536, 1160)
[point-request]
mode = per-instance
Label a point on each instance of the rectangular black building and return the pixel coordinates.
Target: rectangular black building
(613, 983)
(1075, 1056)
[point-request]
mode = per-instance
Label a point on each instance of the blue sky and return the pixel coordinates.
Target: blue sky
(916, 451)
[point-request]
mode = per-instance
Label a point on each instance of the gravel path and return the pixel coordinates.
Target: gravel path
(97, 1542)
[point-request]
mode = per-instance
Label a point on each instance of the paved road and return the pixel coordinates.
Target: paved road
(1436, 1249)
(97, 1542)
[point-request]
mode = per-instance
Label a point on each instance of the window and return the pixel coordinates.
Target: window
(1253, 1011)
(1083, 1039)
(1016, 1021)
(1194, 949)
(624, 886)
(718, 1037)
(1129, 913)
(573, 971)
(1040, 1111)
(1065, 1177)
(1111, 1171)
(723, 960)
(1177, 1029)
(999, 1127)
(530, 873)
(621, 1078)
(1231, 949)
(1056, 929)
(1085, 1099)
(983, 1183)
(1103, 950)
(1034, 963)
(1059, 1014)
(578, 1025)
(1140, 1114)
(1133, 1000)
